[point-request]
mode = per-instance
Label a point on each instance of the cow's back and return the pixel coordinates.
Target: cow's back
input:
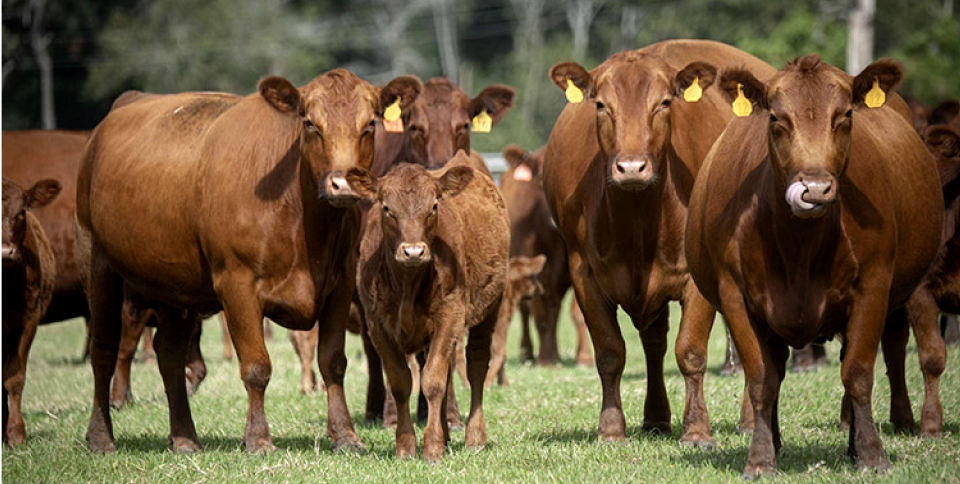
(30, 156)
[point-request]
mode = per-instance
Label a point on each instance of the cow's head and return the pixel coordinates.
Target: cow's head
(16, 202)
(338, 112)
(944, 143)
(410, 200)
(438, 124)
(522, 275)
(811, 106)
(633, 94)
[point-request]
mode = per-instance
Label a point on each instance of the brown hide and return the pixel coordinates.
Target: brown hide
(625, 241)
(433, 263)
(835, 259)
(28, 157)
(29, 277)
(533, 232)
(209, 201)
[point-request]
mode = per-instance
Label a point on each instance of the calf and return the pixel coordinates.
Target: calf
(433, 264)
(533, 232)
(29, 276)
(817, 214)
(248, 212)
(522, 284)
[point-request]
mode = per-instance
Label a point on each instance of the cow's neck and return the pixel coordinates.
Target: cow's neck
(645, 212)
(329, 231)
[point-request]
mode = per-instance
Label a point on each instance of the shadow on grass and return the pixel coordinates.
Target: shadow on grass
(590, 435)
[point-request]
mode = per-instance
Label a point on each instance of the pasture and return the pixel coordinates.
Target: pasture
(542, 428)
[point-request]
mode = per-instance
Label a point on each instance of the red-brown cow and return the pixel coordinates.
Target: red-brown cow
(210, 201)
(433, 265)
(618, 171)
(29, 276)
(813, 216)
(533, 232)
(522, 284)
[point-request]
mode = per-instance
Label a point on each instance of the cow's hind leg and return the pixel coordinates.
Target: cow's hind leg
(305, 346)
(894, 341)
(14, 429)
(691, 352)
(333, 365)
(656, 406)
(174, 334)
(922, 312)
(133, 323)
(478, 361)
(584, 356)
(196, 368)
(105, 297)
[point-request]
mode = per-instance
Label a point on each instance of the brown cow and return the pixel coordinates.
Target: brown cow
(533, 232)
(433, 265)
(618, 171)
(29, 276)
(210, 201)
(813, 216)
(522, 283)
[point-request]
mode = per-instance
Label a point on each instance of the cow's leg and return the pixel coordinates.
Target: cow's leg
(731, 364)
(433, 384)
(451, 409)
(922, 312)
(610, 349)
(526, 342)
(244, 316)
(225, 332)
(461, 360)
(478, 360)
(333, 365)
(498, 349)
(267, 329)
(399, 384)
(305, 346)
(11, 342)
(862, 339)
(584, 357)
(950, 328)
(196, 367)
(656, 406)
(146, 347)
(14, 378)
(693, 338)
(376, 392)
(174, 333)
(134, 322)
(819, 354)
(105, 297)
(546, 311)
(894, 341)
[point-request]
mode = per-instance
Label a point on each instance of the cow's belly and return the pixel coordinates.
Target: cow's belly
(641, 292)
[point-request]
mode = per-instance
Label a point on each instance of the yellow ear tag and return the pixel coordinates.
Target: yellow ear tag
(481, 123)
(574, 94)
(391, 118)
(742, 107)
(875, 97)
(694, 92)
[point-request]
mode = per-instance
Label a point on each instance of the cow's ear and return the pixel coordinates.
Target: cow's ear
(704, 73)
(943, 141)
(736, 81)
(455, 180)
(536, 264)
(514, 154)
(496, 100)
(574, 73)
(42, 193)
(363, 183)
(280, 94)
(886, 74)
(407, 88)
(945, 112)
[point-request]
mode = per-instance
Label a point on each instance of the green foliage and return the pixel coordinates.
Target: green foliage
(931, 57)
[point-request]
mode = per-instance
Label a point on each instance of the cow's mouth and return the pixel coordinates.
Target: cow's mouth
(9, 252)
(802, 204)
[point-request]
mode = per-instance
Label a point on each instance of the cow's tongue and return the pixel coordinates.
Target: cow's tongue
(795, 196)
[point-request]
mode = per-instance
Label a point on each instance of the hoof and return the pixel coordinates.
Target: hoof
(349, 446)
(752, 473)
(183, 445)
(262, 446)
(699, 442)
(101, 445)
(15, 439)
(656, 428)
(905, 427)
(879, 466)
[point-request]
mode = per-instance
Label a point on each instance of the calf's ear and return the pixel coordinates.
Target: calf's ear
(536, 264)
(363, 183)
(455, 180)
(42, 193)
(280, 93)
(496, 100)
(704, 73)
(407, 88)
(943, 141)
(514, 154)
(945, 112)
(887, 73)
(753, 90)
(571, 71)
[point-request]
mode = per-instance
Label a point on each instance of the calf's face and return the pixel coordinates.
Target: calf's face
(811, 108)
(16, 202)
(439, 122)
(337, 112)
(409, 200)
(633, 94)
(944, 144)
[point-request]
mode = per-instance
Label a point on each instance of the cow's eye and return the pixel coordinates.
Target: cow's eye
(310, 126)
(849, 113)
(435, 205)
(371, 126)
(386, 209)
(665, 103)
(773, 118)
(601, 106)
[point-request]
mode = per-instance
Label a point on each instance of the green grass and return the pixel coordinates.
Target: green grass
(543, 428)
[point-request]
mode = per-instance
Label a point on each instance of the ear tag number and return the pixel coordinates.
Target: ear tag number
(574, 94)
(391, 118)
(741, 106)
(694, 92)
(481, 123)
(875, 97)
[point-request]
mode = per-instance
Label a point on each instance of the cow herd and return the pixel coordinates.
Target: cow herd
(802, 204)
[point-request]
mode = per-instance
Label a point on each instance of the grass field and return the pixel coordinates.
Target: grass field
(543, 428)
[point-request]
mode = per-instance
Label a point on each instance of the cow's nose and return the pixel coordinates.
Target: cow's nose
(631, 172)
(630, 166)
(819, 190)
(338, 191)
(413, 251)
